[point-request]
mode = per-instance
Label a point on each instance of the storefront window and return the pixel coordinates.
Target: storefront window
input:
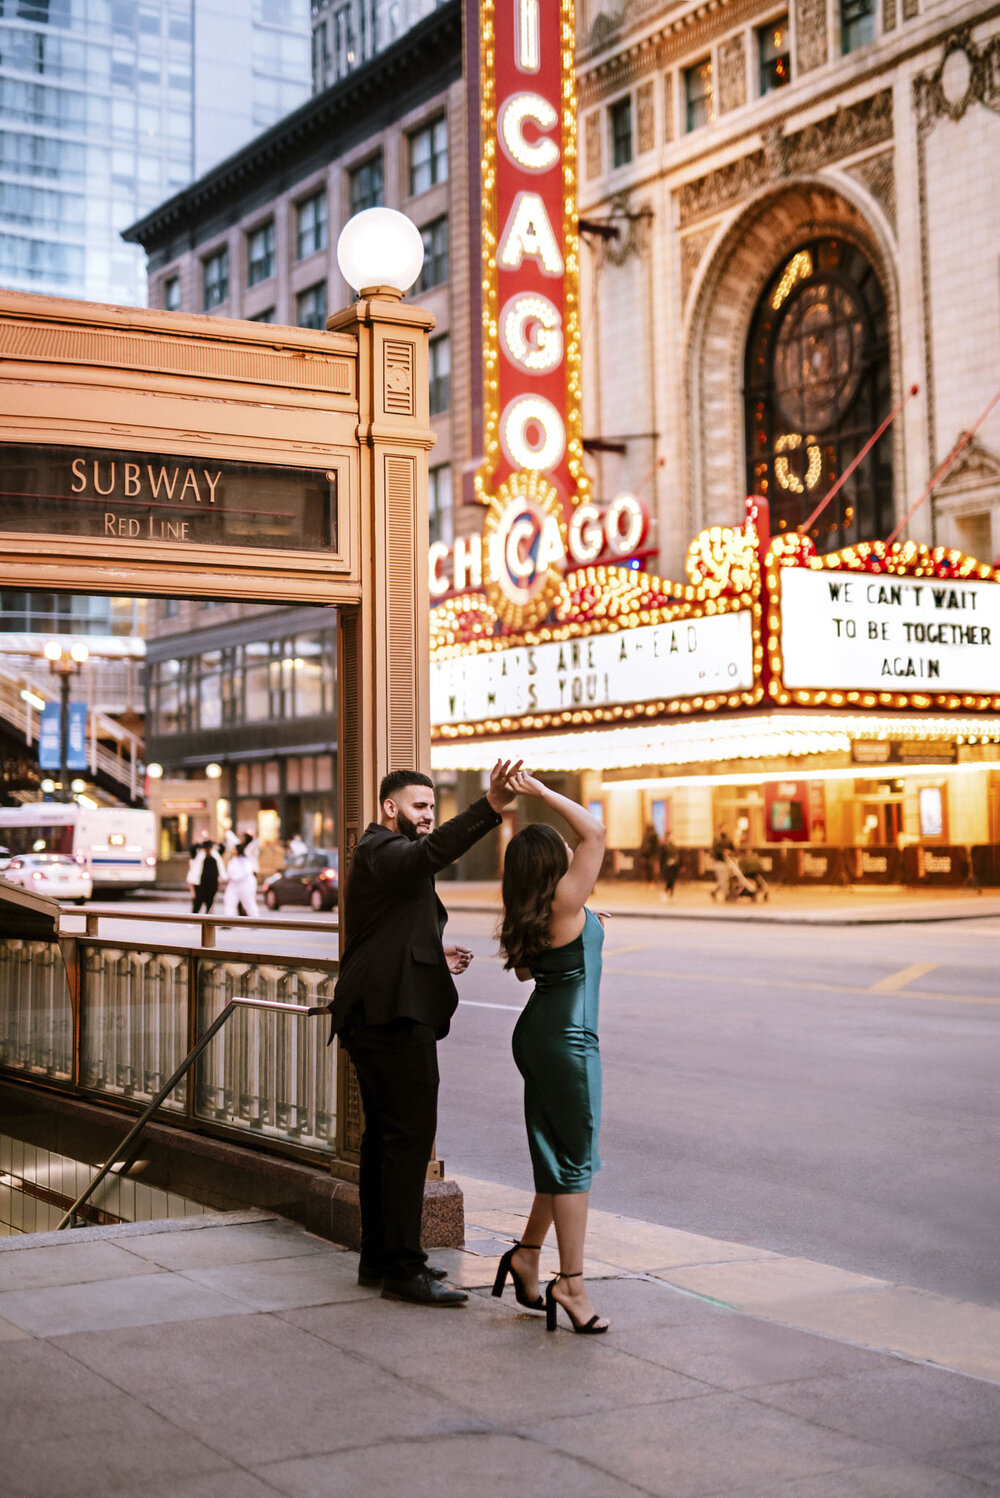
(210, 690)
(308, 675)
(257, 679)
(167, 696)
(817, 383)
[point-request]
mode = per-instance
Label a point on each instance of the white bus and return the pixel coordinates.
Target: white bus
(116, 845)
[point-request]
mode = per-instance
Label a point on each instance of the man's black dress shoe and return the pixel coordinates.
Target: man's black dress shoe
(423, 1290)
(372, 1278)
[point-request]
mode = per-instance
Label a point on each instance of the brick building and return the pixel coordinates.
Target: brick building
(833, 153)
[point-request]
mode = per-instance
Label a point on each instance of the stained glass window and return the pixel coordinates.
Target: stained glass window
(817, 384)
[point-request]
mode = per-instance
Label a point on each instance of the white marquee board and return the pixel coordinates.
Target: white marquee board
(859, 631)
(691, 658)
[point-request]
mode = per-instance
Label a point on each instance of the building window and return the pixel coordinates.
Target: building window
(367, 185)
(215, 273)
(260, 254)
(435, 267)
(266, 316)
(699, 94)
(620, 119)
(428, 156)
(817, 385)
(439, 370)
(775, 59)
(172, 294)
(857, 24)
(310, 225)
(439, 512)
(310, 307)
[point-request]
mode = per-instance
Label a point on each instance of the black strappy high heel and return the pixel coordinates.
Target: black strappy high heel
(584, 1328)
(506, 1267)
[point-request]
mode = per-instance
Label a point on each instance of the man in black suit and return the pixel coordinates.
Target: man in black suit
(394, 1000)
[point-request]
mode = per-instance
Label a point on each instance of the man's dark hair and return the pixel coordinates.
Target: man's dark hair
(396, 780)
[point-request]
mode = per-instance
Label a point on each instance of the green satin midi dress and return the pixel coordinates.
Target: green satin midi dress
(556, 1051)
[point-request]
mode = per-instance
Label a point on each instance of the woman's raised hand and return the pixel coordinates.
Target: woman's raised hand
(523, 783)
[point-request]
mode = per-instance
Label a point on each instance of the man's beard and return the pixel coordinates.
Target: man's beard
(407, 828)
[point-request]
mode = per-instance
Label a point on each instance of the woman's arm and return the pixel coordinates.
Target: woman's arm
(574, 888)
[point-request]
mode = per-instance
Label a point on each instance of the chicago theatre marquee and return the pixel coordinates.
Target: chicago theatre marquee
(830, 696)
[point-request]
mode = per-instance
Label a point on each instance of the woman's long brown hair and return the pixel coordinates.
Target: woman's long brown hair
(535, 861)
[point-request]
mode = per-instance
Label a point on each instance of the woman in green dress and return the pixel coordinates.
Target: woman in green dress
(548, 934)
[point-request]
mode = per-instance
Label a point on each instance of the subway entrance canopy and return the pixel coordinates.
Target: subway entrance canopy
(153, 453)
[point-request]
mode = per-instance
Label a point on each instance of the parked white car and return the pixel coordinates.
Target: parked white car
(54, 874)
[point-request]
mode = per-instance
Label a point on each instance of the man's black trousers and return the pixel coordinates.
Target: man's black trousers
(398, 1075)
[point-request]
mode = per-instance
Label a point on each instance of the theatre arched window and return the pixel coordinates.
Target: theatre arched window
(817, 384)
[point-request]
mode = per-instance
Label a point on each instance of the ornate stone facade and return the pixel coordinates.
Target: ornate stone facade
(693, 247)
(878, 176)
(735, 195)
(812, 42)
(844, 133)
(646, 116)
(732, 73)
(592, 144)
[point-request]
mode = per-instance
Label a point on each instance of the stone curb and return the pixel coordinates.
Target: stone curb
(758, 917)
(803, 1294)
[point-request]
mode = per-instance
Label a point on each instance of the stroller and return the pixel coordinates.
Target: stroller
(746, 877)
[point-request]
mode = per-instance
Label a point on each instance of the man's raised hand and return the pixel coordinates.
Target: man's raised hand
(500, 793)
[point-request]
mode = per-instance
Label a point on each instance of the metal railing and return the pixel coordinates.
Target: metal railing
(115, 1023)
(121, 1154)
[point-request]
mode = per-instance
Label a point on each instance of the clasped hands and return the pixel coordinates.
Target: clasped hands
(508, 781)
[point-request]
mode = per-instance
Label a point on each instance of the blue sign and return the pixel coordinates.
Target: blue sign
(76, 756)
(50, 737)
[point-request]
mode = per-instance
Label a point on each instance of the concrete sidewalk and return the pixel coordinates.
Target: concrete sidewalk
(821, 905)
(236, 1357)
(811, 905)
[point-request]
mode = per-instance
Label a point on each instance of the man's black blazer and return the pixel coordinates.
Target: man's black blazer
(393, 964)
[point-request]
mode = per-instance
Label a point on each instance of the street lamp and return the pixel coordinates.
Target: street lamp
(380, 252)
(65, 664)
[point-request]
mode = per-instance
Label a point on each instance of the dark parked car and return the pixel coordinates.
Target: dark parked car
(309, 878)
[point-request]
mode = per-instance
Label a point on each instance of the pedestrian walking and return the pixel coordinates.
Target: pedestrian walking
(649, 855)
(548, 934)
(205, 873)
(721, 856)
(670, 866)
(241, 886)
(296, 846)
(393, 1002)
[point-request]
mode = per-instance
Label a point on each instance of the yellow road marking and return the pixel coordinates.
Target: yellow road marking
(896, 981)
(801, 985)
(620, 951)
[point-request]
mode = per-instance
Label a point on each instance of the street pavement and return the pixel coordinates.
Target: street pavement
(236, 1357)
(825, 1094)
(775, 1092)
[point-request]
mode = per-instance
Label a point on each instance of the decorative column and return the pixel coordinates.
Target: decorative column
(383, 676)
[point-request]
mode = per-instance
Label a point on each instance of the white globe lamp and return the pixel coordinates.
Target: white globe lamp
(380, 250)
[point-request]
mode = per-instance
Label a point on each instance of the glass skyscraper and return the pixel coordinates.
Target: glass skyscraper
(108, 107)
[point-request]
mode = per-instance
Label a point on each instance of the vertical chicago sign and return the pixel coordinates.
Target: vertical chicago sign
(532, 478)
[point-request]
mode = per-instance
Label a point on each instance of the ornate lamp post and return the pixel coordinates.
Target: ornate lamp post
(65, 664)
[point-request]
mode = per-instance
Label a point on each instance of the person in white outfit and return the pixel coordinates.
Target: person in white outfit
(241, 888)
